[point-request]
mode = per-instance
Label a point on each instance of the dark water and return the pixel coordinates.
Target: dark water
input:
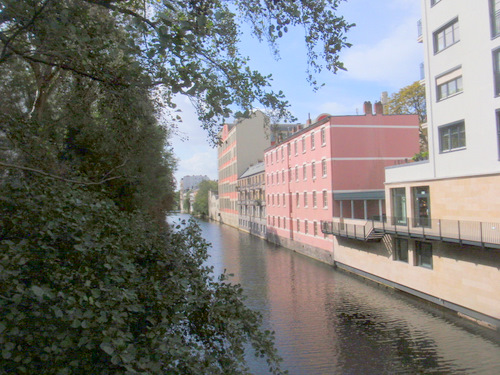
(329, 322)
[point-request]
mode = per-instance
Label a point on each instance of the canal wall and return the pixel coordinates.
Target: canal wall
(311, 251)
(465, 279)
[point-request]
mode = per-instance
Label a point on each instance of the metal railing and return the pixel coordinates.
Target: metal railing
(350, 230)
(458, 231)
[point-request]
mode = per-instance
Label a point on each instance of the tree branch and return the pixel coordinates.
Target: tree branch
(37, 171)
(108, 4)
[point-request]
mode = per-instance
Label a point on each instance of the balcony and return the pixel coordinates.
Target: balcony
(461, 232)
(420, 37)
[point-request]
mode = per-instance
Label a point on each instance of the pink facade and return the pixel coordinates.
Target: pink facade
(333, 168)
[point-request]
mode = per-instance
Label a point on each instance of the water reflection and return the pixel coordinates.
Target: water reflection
(329, 322)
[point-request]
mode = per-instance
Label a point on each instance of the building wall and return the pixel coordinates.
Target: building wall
(355, 150)
(461, 278)
(243, 144)
(477, 103)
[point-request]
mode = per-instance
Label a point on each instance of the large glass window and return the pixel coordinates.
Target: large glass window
(423, 252)
(449, 84)
(421, 206)
(401, 249)
(496, 70)
(399, 206)
(446, 36)
(452, 137)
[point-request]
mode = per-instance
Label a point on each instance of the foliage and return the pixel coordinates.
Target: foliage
(186, 203)
(87, 288)
(91, 280)
(200, 205)
(184, 47)
(410, 100)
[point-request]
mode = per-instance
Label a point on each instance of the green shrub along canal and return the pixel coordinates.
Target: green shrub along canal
(330, 322)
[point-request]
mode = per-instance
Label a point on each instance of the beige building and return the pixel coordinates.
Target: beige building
(442, 233)
(252, 200)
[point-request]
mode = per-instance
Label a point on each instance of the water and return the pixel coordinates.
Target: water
(329, 322)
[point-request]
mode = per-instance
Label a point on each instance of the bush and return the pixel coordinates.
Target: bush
(87, 288)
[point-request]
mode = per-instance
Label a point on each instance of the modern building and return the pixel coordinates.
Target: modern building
(242, 144)
(251, 200)
(442, 231)
(333, 168)
(191, 182)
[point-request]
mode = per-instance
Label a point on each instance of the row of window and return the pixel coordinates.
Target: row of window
(273, 178)
(280, 222)
(274, 156)
(423, 252)
(272, 201)
(254, 227)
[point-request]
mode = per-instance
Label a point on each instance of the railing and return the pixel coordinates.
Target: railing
(362, 232)
(457, 231)
(419, 29)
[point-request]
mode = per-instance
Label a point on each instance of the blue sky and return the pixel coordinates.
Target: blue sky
(385, 56)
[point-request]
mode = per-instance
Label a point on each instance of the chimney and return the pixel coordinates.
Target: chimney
(379, 108)
(368, 108)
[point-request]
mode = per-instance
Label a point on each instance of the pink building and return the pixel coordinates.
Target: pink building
(333, 168)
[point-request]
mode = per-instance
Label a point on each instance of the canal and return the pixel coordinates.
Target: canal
(330, 322)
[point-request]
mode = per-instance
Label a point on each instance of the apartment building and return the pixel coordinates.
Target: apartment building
(333, 167)
(443, 215)
(251, 200)
(242, 144)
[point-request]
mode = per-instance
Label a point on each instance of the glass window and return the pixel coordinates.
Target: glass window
(315, 200)
(305, 199)
(295, 148)
(296, 173)
(303, 144)
(401, 249)
(284, 200)
(446, 36)
(325, 200)
(495, 17)
(312, 140)
(323, 136)
(449, 84)
(315, 226)
(398, 196)
(452, 137)
(313, 170)
(323, 167)
(298, 225)
(304, 171)
(421, 206)
(496, 70)
(423, 252)
(306, 227)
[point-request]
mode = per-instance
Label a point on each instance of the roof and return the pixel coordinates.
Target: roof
(253, 169)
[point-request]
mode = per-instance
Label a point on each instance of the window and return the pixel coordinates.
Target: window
(298, 225)
(401, 249)
(272, 199)
(315, 226)
(296, 173)
(272, 158)
(312, 141)
(496, 70)
(295, 148)
(284, 200)
(421, 206)
(297, 199)
(283, 176)
(325, 200)
(278, 199)
(495, 17)
(323, 136)
(498, 132)
(423, 252)
(313, 170)
(306, 227)
(452, 137)
(434, 2)
(449, 84)
(290, 175)
(289, 147)
(323, 167)
(304, 172)
(398, 196)
(284, 223)
(303, 144)
(446, 36)
(282, 154)
(279, 222)
(305, 199)
(315, 200)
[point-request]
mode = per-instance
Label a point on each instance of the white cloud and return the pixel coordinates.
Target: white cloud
(394, 60)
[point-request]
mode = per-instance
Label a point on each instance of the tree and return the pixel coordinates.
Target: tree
(410, 100)
(186, 203)
(200, 206)
(91, 278)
